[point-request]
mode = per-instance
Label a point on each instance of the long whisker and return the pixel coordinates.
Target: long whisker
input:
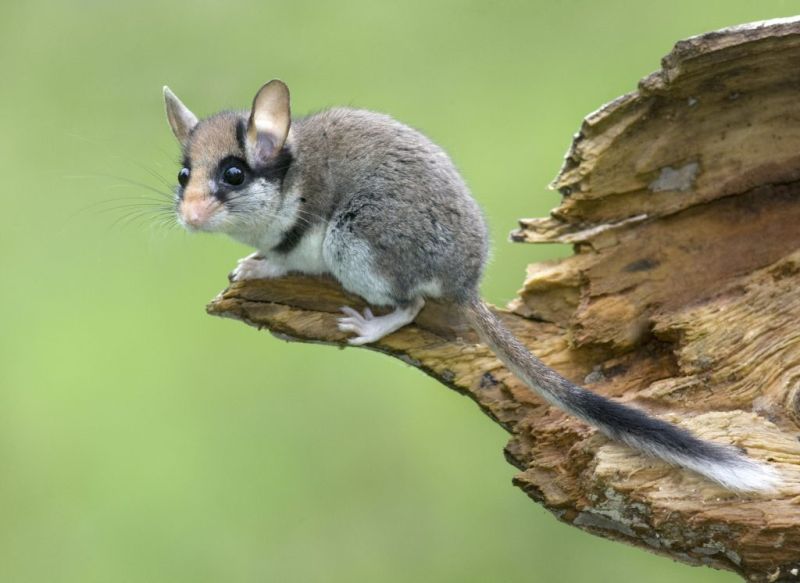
(156, 175)
(169, 194)
(264, 215)
(155, 202)
(127, 204)
(164, 194)
(302, 215)
(306, 213)
(132, 217)
(134, 209)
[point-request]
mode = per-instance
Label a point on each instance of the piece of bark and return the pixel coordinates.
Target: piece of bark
(682, 200)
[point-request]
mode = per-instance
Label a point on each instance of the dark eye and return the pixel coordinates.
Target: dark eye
(183, 176)
(233, 175)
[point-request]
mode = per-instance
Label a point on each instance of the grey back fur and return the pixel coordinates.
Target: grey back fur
(383, 183)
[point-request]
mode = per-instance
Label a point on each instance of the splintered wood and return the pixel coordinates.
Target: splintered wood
(682, 201)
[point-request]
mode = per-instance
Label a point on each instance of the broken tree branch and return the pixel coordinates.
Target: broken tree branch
(682, 201)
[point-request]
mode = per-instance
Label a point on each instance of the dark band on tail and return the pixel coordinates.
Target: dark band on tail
(631, 426)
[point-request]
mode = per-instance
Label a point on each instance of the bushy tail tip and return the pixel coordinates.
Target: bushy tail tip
(739, 473)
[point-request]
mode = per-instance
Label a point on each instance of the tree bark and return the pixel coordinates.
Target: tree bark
(682, 202)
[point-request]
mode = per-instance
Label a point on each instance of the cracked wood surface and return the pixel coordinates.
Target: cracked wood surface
(682, 201)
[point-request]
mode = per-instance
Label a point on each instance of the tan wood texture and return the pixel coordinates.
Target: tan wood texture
(682, 201)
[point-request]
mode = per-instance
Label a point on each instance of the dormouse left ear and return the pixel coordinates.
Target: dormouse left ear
(269, 123)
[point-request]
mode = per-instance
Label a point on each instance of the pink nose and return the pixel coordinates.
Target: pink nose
(196, 213)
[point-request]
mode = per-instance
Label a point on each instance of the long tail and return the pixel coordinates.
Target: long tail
(721, 463)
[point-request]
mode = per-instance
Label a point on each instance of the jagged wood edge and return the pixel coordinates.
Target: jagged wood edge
(581, 477)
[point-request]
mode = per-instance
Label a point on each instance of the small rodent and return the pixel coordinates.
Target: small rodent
(381, 208)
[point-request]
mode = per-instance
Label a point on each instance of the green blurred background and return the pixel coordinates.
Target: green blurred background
(141, 440)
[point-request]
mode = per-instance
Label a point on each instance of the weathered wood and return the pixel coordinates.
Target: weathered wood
(682, 200)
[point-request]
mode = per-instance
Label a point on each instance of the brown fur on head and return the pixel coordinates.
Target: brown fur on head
(228, 181)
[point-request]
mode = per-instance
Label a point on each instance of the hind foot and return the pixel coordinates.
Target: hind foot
(370, 328)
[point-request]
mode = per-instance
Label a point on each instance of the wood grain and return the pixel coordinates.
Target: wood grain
(682, 201)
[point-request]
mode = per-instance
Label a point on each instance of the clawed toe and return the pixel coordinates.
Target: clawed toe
(357, 323)
(347, 325)
(371, 328)
(355, 315)
(255, 267)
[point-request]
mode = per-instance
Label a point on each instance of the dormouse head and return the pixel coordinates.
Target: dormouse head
(233, 162)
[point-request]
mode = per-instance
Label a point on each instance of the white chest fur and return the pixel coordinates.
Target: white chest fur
(306, 256)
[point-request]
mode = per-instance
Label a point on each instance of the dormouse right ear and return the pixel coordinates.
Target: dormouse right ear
(181, 120)
(269, 122)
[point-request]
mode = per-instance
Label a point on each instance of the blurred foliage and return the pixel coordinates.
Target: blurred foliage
(143, 441)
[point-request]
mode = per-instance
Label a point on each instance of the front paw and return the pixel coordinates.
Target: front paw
(255, 267)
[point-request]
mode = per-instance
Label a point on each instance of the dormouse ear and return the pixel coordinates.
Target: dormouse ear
(269, 123)
(181, 120)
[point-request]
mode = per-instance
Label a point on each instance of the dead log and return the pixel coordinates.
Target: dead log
(682, 202)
